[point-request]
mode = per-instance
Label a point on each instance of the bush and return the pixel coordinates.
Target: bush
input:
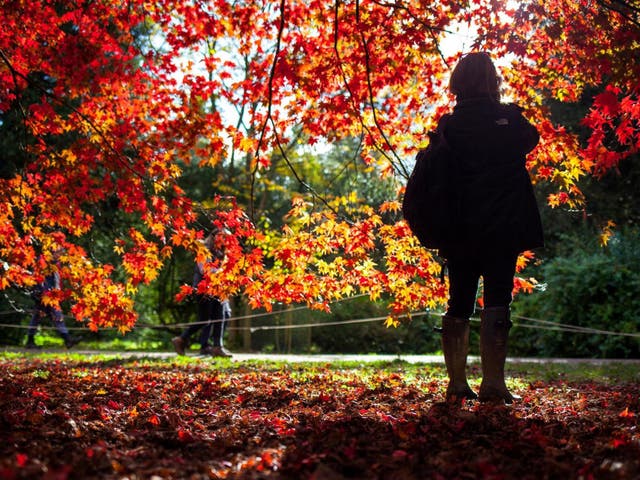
(597, 288)
(410, 337)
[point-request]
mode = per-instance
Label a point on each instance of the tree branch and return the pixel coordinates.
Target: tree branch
(356, 110)
(123, 159)
(626, 9)
(269, 106)
(301, 181)
(402, 170)
(15, 75)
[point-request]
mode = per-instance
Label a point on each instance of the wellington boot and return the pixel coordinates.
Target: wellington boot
(494, 331)
(70, 341)
(179, 345)
(206, 350)
(455, 346)
(218, 351)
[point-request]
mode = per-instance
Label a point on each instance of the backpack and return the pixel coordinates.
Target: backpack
(430, 204)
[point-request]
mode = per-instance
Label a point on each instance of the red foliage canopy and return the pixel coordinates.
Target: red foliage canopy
(108, 99)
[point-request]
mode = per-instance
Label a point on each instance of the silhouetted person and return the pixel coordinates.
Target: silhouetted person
(42, 310)
(498, 219)
(211, 311)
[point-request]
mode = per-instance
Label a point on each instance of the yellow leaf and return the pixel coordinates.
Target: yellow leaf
(391, 322)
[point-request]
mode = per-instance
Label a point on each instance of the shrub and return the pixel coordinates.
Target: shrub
(595, 288)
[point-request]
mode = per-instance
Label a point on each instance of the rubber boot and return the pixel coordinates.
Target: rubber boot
(179, 345)
(70, 341)
(455, 345)
(494, 331)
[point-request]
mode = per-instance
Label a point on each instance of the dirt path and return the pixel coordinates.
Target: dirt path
(324, 358)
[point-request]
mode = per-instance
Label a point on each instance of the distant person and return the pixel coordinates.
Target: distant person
(211, 311)
(498, 219)
(226, 316)
(42, 310)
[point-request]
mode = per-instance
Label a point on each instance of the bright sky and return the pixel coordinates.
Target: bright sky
(459, 39)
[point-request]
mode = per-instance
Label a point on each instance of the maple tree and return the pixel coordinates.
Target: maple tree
(105, 103)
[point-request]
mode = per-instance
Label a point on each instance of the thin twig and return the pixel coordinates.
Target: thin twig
(352, 96)
(301, 181)
(269, 106)
(402, 170)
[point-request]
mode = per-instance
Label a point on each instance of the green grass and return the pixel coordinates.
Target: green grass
(518, 374)
(610, 372)
(110, 342)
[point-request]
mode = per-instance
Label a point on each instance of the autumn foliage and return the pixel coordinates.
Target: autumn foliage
(107, 102)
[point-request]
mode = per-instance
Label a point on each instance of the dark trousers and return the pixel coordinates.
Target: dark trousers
(210, 318)
(497, 270)
(47, 311)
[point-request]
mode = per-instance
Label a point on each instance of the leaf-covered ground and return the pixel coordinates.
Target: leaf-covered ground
(74, 417)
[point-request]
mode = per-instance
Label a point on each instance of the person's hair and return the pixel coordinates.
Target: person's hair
(214, 243)
(475, 76)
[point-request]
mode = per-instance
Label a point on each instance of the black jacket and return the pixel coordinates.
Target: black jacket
(497, 207)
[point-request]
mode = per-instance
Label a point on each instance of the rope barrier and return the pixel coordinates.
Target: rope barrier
(572, 328)
(534, 323)
(327, 324)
